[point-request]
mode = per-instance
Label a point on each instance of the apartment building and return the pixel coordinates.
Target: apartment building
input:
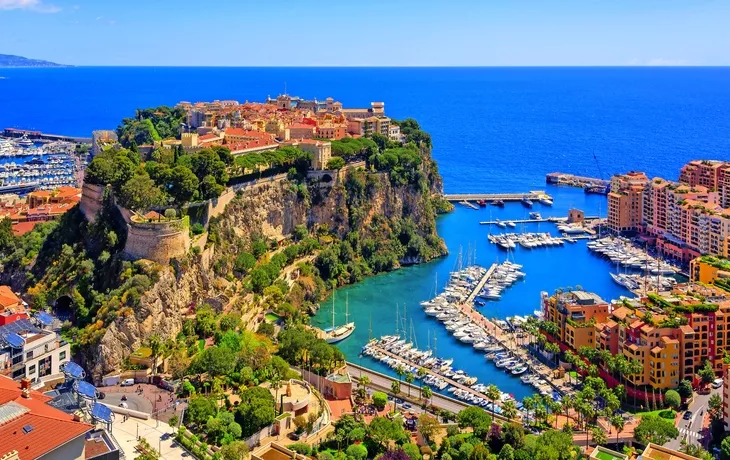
(702, 172)
(576, 313)
(626, 202)
(30, 351)
(671, 337)
(12, 307)
(708, 269)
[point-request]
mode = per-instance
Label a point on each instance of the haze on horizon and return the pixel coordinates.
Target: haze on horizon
(368, 33)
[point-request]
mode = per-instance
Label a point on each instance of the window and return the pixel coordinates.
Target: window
(29, 355)
(62, 356)
(31, 370)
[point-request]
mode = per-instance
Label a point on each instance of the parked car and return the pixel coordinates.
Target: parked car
(687, 415)
(717, 383)
(127, 383)
(293, 436)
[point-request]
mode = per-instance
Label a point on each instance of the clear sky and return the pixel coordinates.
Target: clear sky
(368, 32)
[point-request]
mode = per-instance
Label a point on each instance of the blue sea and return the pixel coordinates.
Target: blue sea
(493, 129)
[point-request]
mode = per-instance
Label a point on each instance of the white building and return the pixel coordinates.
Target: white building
(28, 351)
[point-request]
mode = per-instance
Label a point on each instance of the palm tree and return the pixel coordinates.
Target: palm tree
(599, 436)
(155, 345)
(634, 368)
(617, 422)
(567, 402)
(509, 409)
(395, 388)
(276, 384)
(426, 393)
(529, 404)
(409, 380)
(554, 407)
(400, 371)
(492, 393)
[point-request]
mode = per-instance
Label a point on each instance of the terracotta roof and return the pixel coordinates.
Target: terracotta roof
(153, 215)
(21, 228)
(51, 428)
(8, 297)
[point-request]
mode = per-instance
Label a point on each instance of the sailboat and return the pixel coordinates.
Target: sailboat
(339, 333)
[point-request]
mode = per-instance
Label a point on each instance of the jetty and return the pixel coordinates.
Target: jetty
(480, 285)
(468, 204)
(534, 221)
(451, 382)
(488, 197)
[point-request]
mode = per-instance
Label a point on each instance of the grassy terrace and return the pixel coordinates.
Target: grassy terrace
(717, 262)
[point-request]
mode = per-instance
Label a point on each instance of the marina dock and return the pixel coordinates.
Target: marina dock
(435, 374)
(535, 221)
(468, 204)
(480, 285)
(488, 197)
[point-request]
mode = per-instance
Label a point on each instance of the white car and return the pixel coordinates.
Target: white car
(717, 383)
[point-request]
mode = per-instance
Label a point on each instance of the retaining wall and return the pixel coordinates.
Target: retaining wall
(159, 241)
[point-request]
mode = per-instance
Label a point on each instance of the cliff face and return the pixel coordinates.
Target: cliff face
(270, 208)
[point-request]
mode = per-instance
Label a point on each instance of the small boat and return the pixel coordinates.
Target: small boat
(546, 201)
(510, 224)
(482, 203)
(499, 203)
(535, 215)
(480, 303)
(501, 224)
(526, 201)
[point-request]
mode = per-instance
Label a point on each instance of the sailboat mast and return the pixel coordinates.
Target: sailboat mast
(333, 309)
(347, 306)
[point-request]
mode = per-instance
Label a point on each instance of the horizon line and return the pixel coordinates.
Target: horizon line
(67, 66)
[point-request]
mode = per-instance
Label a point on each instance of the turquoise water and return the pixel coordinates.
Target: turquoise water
(376, 298)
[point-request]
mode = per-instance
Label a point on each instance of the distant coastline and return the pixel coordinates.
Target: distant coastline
(9, 61)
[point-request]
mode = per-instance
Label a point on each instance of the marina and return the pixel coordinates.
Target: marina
(495, 198)
(25, 166)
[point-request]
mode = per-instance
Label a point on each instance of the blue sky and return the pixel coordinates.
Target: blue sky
(368, 32)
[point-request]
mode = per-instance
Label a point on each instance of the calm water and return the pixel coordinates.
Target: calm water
(494, 129)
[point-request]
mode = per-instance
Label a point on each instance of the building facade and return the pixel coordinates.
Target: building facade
(626, 202)
(37, 356)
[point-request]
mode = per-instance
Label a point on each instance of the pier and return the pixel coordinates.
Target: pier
(39, 136)
(459, 197)
(477, 289)
(452, 383)
(469, 205)
(572, 179)
(534, 221)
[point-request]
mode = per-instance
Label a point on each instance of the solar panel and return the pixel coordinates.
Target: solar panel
(14, 340)
(44, 318)
(102, 413)
(86, 389)
(18, 327)
(73, 370)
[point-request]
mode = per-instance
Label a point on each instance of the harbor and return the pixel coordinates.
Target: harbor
(375, 300)
(588, 184)
(26, 165)
(498, 199)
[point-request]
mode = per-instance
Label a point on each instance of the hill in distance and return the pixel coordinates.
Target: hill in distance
(8, 60)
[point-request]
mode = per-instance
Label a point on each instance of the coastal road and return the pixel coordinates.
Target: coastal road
(693, 430)
(383, 382)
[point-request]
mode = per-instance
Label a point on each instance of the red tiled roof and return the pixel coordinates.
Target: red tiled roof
(7, 297)
(51, 427)
(21, 228)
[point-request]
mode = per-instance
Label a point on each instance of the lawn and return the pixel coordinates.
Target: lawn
(272, 318)
(606, 456)
(664, 413)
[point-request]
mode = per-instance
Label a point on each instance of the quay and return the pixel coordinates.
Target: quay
(459, 197)
(534, 221)
(473, 294)
(468, 204)
(39, 136)
(452, 383)
(503, 338)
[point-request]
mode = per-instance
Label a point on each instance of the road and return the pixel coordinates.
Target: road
(383, 382)
(692, 430)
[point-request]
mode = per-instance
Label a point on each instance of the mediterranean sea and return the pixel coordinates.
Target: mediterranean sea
(493, 129)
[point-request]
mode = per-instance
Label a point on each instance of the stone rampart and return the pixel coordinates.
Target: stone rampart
(92, 197)
(158, 241)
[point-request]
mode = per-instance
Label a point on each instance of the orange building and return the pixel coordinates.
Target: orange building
(576, 314)
(12, 307)
(626, 202)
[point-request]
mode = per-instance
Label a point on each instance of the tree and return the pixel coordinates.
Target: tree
(260, 280)
(480, 452)
(475, 418)
(140, 193)
(200, 409)
(696, 450)
(685, 389)
(357, 452)
(507, 453)
(714, 407)
(509, 409)
(554, 445)
(599, 436)
(707, 373)
(409, 380)
(244, 262)
(655, 429)
(725, 449)
(336, 163)
(412, 450)
(492, 393)
(426, 392)
(617, 422)
(428, 426)
(174, 420)
(380, 399)
(236, 450)
(183, 184)
(395, 388)
(156, 345)
(256, 410)
(382, 430)
(672, 399)
(513, 434)
(394, 454)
